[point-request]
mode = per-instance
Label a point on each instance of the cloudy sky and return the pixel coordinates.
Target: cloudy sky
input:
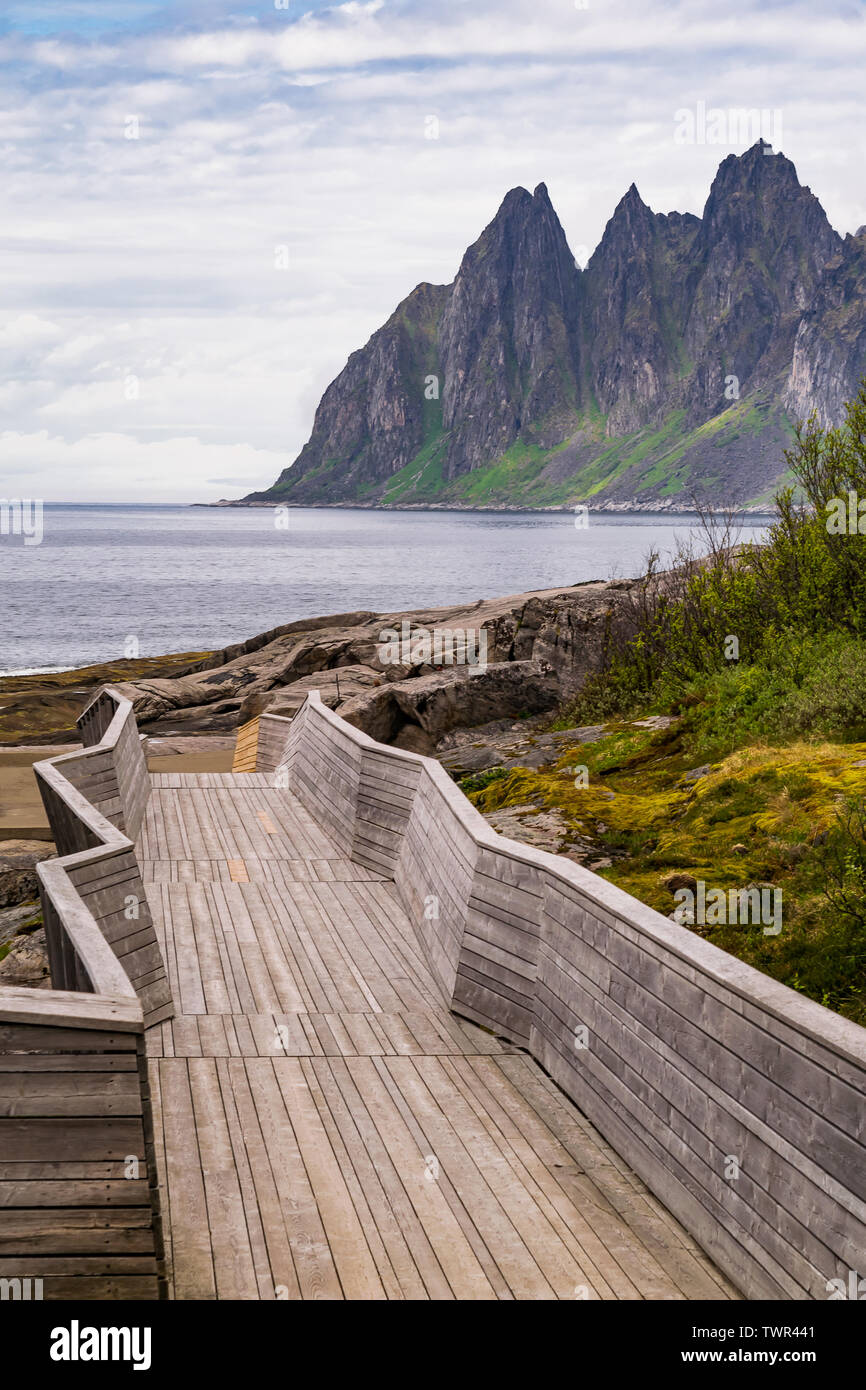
(207, 205)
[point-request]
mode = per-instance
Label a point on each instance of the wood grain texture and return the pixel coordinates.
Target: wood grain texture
(324, 1126)
(367, 1014)
(246, 746)
(77, 1205)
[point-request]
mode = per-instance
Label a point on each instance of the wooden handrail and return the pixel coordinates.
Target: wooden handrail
(784, 1003)
(80, 957)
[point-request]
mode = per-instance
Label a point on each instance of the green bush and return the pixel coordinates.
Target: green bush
(832, 696)
(817, 687)
(844, 864)
(795, 604)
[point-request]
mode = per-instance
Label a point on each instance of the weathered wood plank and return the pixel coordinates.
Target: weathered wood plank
(75, 1139)
(83, 1192)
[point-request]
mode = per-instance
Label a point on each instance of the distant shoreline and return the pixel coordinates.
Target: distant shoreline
(608, 509)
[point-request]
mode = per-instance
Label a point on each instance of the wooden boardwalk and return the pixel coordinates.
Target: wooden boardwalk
(324, 1127)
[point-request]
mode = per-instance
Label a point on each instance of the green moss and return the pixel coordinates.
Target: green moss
(758, 816)
(656, 456)
(762, 777)
(478, 781)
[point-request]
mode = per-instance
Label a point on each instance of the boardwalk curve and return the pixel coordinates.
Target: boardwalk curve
(363, 1047)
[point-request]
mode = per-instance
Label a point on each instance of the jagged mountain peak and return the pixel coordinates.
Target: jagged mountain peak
(516, 197)
(628, 233)
(630, 205)
(527, 380)
(760, 156)
(519, 202)
(758, 257)
(424, 298)
(523, 221)
(508, 336)
(762, 179)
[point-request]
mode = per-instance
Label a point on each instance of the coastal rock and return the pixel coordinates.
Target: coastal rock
(413, 739)
(546, 830)
(500, 744)
(461, 698)
(22, 917)
(40, 710)
(352, 660)
(335, 687)
(676, 882)
(18, 860)
(695, 774)
(343, 655)
(25, 966)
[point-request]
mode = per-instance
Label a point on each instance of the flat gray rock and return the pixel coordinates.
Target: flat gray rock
(502, 744)
(26, 964)
(18, 860)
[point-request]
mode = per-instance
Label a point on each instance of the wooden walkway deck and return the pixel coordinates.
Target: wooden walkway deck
(325, 1128)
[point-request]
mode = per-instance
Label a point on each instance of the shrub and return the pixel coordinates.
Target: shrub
(803, 583)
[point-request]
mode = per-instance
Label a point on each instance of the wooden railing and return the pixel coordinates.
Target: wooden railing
(740, 1103)
(95, 801)
(79, 1212)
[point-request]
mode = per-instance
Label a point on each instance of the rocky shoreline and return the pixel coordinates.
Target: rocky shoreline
(538, 648)
(40, 710)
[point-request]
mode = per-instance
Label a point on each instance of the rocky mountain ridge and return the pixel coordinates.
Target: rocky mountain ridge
(674, 363)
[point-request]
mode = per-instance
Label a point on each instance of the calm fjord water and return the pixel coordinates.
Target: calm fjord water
(194, 578)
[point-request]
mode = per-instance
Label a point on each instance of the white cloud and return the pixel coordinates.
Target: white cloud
(45, 466)
(155, 257)
(351, 36)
